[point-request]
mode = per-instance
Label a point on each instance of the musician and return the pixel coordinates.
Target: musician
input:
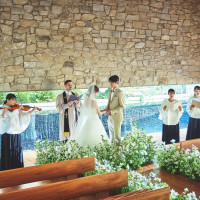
(12, 124)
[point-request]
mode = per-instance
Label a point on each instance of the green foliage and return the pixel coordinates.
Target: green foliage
(168, 158)
(44, 96)
(41, 96)
(135, 150)
(185, 162)
(185, 195)
(103, 95)
(33, 97)
(137, 181)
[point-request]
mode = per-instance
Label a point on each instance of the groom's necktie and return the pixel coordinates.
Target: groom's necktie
(113, 90)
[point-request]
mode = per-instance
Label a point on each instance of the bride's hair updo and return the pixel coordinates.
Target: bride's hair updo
(92, 89)
(96, 89)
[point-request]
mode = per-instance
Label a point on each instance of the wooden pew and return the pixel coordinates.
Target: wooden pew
(188, 144)
(160, 194)
(71, 189)
(20, 176)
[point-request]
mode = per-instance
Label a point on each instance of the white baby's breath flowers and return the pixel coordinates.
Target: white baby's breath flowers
(136, 149)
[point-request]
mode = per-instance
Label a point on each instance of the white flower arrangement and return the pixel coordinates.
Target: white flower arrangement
(135, 150)
(185, 195)
(182, 161)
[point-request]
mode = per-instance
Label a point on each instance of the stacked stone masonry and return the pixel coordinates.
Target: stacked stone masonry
(145, 42)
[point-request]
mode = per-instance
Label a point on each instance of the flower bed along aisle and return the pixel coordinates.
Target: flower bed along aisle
(135, 150)
(175, 161)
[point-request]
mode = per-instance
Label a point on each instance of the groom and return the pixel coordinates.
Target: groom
(116, 104)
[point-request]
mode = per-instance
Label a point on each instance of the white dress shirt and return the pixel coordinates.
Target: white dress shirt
(113, 92)
(170, 117)
(195, 112)
(14, 122)
(68, 93)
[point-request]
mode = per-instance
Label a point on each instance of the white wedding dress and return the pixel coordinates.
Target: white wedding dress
(89, 129)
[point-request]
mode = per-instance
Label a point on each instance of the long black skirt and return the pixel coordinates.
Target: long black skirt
(11, 151)
(170, 132)
(193, 130)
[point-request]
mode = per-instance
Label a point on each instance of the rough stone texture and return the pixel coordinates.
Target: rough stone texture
(144, 42)
(7, 30)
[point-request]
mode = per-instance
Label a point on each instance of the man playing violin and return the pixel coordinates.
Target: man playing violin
(12, 123)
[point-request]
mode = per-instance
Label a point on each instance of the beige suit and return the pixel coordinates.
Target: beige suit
(116, 104)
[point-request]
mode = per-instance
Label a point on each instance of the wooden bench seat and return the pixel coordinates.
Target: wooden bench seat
(71, 189)
(20, 176)
(188, 144)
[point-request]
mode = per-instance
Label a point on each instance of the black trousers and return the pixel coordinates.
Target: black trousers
(170, 132)
(193, 130)
(11, 151)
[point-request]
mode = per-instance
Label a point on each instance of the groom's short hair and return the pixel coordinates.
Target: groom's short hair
(114, 78)
(67, 81)
(196, 87)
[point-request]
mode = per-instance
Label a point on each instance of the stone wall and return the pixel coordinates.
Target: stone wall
(145, 42)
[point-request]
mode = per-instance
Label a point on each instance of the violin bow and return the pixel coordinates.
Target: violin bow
(19, 97)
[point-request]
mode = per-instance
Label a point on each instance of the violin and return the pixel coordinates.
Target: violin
(25, 107)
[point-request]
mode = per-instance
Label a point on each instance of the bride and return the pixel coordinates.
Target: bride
(89, 128)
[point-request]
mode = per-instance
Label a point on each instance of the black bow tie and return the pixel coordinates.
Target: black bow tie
(113, 90)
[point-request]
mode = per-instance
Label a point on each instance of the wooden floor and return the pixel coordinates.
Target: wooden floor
(176, 182)
(29, 158)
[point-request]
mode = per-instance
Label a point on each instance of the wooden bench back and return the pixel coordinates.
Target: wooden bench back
(72, 188)
(20, 176)
(160, 194)
(188, 144)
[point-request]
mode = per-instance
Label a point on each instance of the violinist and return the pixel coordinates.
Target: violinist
(12, 123)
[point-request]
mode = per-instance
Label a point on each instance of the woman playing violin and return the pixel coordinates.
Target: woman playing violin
(12, 124)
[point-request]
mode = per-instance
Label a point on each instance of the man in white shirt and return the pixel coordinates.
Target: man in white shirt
(68, 111)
